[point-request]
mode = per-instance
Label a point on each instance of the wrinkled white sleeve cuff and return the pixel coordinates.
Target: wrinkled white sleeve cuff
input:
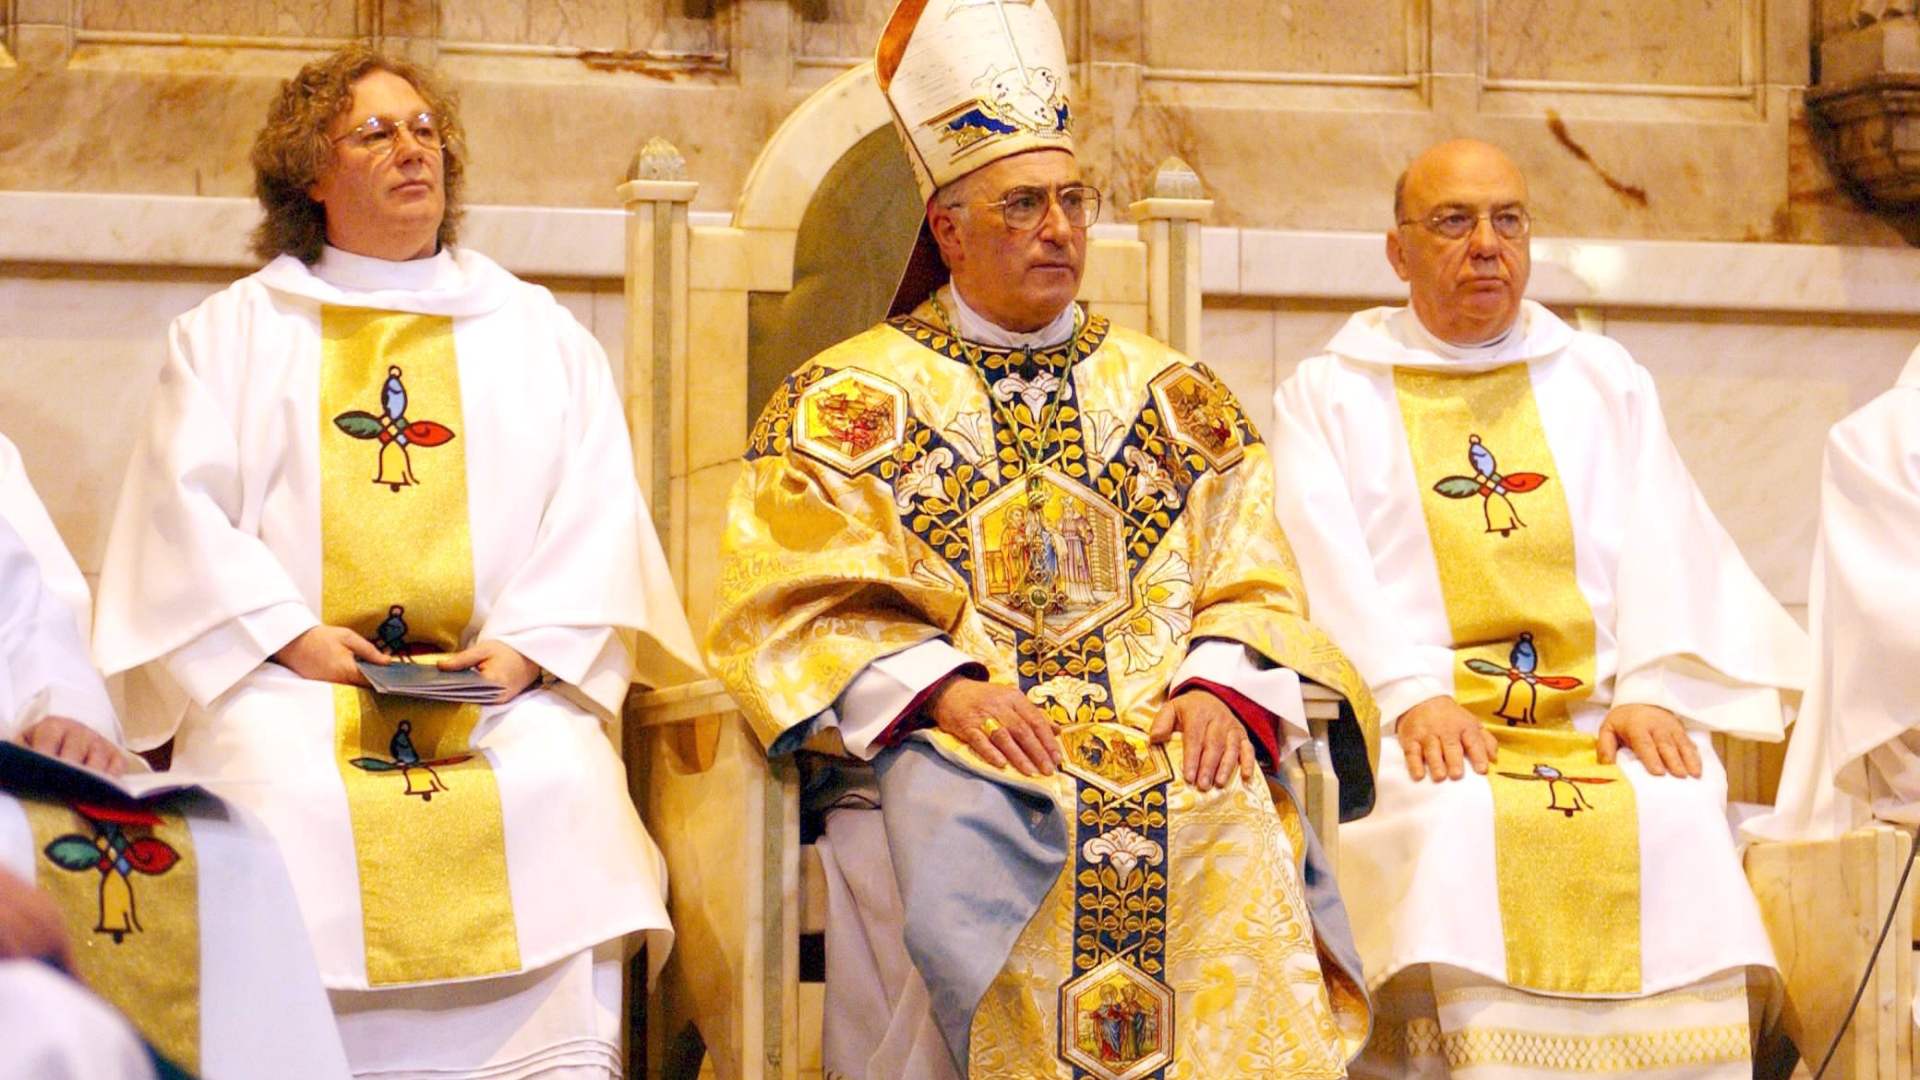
(1240, 669)
(212, 663)
(1396, 697)
(592, 659)
(882, 692)
(1704, 699)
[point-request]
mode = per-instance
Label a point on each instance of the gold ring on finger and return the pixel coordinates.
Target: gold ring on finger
(989, 726)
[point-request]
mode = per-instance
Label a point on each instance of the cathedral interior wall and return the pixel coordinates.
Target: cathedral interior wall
(1681, 202)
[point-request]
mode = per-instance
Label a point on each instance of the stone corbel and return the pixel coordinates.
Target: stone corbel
(1865, 108)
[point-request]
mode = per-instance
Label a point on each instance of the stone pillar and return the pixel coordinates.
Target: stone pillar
(657, 195)
(42, 32)
(1169, 219)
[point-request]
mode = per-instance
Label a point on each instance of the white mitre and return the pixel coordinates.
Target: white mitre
(969, 82)
(973, 81)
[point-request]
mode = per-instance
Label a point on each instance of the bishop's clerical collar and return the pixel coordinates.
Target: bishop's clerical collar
(1405, 325)
(362, 273)
(977, 328)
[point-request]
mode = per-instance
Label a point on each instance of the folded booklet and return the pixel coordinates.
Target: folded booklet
(28, 772)
(429, 682)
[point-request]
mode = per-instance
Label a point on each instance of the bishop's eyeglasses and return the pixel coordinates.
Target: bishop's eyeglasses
(1025, 207)
(1455, 222)
(378, 135)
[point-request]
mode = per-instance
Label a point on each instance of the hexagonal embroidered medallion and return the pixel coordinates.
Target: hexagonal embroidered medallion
(1114, 758)
(1198, 414)
(1051, 560)
(1116, 1022)
(850, 419)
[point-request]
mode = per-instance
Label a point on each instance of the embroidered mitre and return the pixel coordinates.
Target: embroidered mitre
(973, 81)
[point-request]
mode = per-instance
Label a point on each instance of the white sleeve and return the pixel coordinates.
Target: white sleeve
(21, 507)
(1254, 677)
(1700, 696)
(1344, 595)
(54, 1029)
(877, 697)
(47, 669)
(592, 659)
(212, 663)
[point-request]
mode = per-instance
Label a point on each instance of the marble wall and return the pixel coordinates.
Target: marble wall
(1635, 118)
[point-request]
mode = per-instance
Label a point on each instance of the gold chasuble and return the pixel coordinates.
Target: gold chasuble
(397, 567)
(127, 883)
(1566, 830)
(1071, 518)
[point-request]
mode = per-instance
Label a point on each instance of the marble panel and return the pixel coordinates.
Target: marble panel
(1302, 329)
(1633, 42)
(238, 18)
(1708, 177)
(1788, 39)
(78, 359)
(717, 378)
(585, 24)
(1360, 37)
(846, 30)
(1749, 399)
(1236, 341)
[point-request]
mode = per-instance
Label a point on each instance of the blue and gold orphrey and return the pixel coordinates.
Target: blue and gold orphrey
(1053, 538)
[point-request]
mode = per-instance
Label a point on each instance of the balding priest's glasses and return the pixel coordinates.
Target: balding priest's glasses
(1455, 222)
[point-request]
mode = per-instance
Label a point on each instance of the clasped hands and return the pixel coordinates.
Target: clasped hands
(1004, 728)
(1440, 739)
(328, 654)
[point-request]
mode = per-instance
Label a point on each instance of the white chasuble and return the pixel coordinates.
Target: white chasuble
(1855, 755)
(276, 489)
(1549, 559)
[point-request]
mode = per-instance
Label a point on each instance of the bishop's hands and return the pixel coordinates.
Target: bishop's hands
(1215, 742)
(75, 743)
(328, 654)
(497, 663)
(1655, 736)
(997, 722)
(1439, 739)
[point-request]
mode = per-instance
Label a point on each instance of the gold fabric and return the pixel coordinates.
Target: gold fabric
(1443, 1021)
(1072, 519)
(133, 913)
(1566, 842)
(1505, 555)
(397, 567)
(1566, 832)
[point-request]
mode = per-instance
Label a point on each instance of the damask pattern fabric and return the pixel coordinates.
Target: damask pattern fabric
(1072, 519)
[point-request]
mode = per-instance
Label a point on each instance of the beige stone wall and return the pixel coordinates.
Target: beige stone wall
(1635, 118)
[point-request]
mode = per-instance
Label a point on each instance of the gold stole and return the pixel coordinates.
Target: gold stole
(125, 879)
(1566, 831)
(397, 567)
